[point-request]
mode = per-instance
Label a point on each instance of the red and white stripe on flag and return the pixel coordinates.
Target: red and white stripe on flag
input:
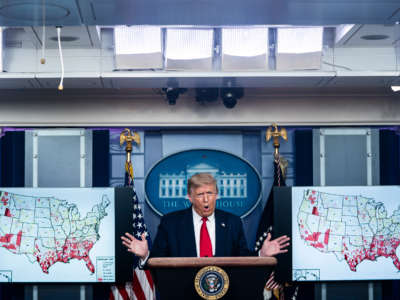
(141, 288)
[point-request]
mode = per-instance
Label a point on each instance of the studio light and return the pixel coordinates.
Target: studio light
(172, 94)
(230, 96)
(204, 95)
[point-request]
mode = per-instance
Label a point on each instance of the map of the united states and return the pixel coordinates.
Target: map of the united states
(354, 228)
(48, 230)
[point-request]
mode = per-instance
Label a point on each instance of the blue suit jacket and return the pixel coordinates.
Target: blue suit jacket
(175, 236)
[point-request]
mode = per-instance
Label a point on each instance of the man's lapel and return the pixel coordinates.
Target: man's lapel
(221, 227)
(187, 234)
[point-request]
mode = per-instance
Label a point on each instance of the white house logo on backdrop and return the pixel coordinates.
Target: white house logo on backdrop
(239, 184)
(230, 185)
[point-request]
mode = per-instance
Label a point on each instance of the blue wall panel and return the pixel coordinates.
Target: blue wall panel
(157, 144)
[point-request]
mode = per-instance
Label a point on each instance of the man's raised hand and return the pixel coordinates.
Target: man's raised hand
(138, 247)
(276, 246)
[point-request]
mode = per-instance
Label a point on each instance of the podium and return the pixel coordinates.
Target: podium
(175, 276)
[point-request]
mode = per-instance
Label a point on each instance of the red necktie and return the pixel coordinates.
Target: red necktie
(205, 241)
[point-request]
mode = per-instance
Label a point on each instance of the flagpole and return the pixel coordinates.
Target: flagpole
(280, 166)
(142, 285)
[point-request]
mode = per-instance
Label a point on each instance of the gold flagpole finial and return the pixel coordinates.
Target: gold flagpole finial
(275, 134)
(129, 136)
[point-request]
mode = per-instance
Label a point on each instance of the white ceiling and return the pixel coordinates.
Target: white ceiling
(353, 62)
(355, 37)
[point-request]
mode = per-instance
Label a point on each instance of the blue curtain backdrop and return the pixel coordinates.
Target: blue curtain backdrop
(12, 159)
(101, 178)
(303, 153)
(12, 170)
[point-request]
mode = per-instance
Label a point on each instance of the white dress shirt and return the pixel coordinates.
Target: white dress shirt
(197, 222)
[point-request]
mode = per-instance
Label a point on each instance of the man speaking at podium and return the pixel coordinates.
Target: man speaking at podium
(201, 230)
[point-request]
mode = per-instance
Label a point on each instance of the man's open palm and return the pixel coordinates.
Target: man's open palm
(276, 246)
(136, 246)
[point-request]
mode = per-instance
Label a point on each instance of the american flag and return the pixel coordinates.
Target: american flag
(142, 286)
(266, 222)
(266, 225)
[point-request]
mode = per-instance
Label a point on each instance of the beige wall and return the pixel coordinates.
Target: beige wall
(146, 108)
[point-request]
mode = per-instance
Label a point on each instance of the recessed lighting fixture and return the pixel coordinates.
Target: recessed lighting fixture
(375, 37)
(31, 11)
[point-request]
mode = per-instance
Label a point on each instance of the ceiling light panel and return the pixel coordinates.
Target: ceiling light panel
(137, 39)
(189, 49)
(138, 47)
(299, 48)
(299, 40)
(244, 49)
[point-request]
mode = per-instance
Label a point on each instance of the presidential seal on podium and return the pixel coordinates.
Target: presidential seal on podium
(211, 282)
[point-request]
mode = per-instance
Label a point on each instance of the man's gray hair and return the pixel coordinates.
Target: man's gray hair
(200, 179)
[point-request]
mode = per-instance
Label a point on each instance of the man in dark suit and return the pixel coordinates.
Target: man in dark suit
(201, 230)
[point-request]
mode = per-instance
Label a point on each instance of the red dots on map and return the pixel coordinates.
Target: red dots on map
(19, 236)
(10, 247)
(4, 200)
(326, 237)
(6, 238)
(313, 237)
(317, 239)
(72, 249)
(380, 246)
(7, 213)
(315, 211)
(312, 199)
(6, 242)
